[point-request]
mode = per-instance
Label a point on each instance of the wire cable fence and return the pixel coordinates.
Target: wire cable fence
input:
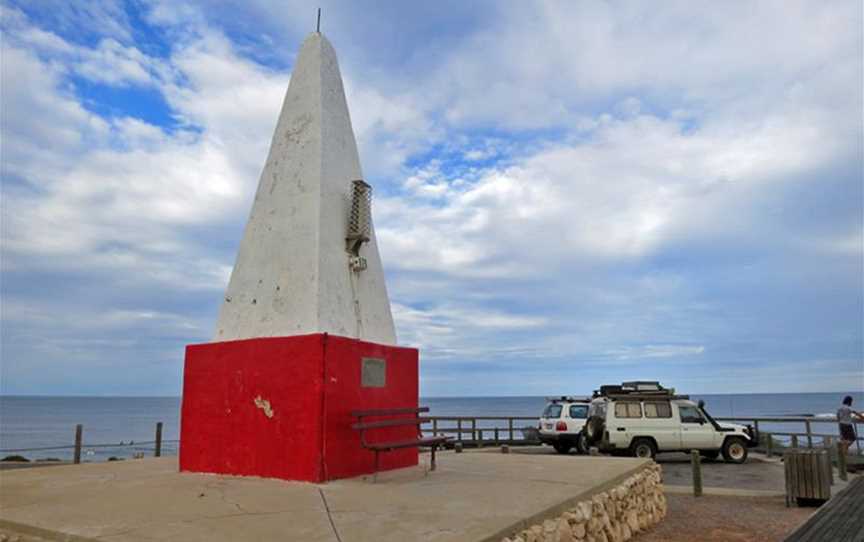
(156, 446)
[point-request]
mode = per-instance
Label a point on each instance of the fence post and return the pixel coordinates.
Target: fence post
(479, 438)
(809, 436)
(756, 431)
(828, 444)
(510, 427)
(794, 442)
(841, 461)
(459, 429)
(434, 426)
(79, 429)
(829, 461)
(696, 464)
(474, 429)
(496, 435)
(158, 451)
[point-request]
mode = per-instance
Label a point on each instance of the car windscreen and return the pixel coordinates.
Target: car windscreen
(579, 412)
(553, 410)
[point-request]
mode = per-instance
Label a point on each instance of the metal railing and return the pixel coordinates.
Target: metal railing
(522, 430)
(480, 430)
(80, 445)
(771, 439)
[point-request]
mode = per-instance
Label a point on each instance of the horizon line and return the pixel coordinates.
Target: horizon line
(91, 396)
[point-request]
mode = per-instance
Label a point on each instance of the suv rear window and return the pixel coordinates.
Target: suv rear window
(628, 409)
(597, 409)
(579, 412)
(553, 410)
(658, 410)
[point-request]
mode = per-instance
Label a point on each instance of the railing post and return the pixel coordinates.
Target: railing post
(809, 435)
(158, 451)
(756, 430)
(769, 443)
(841, 461)
(794, 442)
(434, 426)
(79, 430)
(696, 464)
(496, 436)
(479, 438)
(459, 429)
(510, 427)
(474, 429)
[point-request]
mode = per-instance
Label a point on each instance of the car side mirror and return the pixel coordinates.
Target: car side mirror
(701, 403)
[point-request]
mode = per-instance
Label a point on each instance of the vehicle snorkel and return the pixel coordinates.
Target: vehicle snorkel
(749, 428)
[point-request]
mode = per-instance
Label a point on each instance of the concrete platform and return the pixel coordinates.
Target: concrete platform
(472, 496)
(759, 476)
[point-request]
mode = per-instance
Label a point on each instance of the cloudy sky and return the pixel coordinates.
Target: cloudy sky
(567, 193)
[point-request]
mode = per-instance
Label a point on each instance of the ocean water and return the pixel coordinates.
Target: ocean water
(46, 422)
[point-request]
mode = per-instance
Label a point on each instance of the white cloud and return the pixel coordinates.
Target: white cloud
(601, 183)
(114, 64)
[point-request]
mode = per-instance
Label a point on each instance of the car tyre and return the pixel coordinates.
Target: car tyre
(735, 450)
(644, 448)
(561, 447)
(581, 444)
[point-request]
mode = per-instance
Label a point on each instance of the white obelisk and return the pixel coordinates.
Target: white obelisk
(296, 271)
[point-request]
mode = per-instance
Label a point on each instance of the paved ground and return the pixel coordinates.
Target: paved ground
(759, 476)
(756, 474)
(471, 497)
(13, 465)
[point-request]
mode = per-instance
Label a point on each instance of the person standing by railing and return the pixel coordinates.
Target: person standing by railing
(845, 415)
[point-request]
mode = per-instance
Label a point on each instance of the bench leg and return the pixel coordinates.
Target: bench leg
(375, 475)
(434, 446)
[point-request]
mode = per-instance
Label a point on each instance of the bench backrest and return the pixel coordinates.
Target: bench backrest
(388, 412)
(385, 412)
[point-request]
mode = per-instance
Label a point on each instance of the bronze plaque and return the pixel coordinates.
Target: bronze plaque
(373, 373)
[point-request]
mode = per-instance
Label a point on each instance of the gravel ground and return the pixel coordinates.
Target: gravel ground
(726, 519)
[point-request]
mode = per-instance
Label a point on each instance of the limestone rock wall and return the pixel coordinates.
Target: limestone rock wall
(615, 515)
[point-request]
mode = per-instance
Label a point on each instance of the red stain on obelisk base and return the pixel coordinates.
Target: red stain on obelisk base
(280, 407)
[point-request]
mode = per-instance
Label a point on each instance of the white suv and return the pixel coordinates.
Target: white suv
(562, 422)
(643, 418)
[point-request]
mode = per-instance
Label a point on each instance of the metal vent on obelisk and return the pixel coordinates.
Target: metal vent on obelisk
(360, 216)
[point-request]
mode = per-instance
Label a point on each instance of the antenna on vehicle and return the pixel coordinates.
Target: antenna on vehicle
(318, 26)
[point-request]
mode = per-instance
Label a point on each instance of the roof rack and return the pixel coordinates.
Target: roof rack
(642, 389)
(569, 398)
(646, 396)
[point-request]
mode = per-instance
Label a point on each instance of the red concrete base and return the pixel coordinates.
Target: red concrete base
(281, 407)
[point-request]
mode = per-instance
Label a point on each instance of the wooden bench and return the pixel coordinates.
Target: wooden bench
(841, 519)
(397, 417)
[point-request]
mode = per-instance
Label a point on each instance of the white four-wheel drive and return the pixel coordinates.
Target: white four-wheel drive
(562, 422)
(643, 418)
